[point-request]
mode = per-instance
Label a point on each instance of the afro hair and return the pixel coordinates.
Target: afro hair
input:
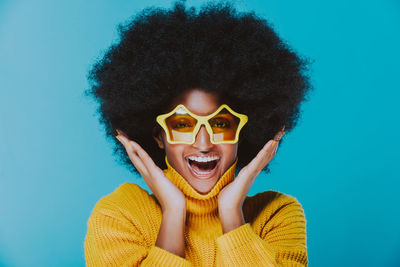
(161, 53)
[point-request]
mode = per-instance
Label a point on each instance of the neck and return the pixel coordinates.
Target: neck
(200, 204)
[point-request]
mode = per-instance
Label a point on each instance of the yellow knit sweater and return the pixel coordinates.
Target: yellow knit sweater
(124, 225)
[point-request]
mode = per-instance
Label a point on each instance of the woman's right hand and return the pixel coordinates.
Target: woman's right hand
(170, 197)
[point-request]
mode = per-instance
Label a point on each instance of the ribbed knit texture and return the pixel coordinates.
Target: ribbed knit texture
(124, 225)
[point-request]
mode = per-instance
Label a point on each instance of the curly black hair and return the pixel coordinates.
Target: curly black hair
(162, 53)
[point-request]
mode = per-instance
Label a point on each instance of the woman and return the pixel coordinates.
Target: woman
(183, 90)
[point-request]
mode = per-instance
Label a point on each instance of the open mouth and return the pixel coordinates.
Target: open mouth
(203, 168)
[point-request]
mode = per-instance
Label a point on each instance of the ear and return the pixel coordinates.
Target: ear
(157, 135)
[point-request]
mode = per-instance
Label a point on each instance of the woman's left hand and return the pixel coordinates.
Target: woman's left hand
(232, 196)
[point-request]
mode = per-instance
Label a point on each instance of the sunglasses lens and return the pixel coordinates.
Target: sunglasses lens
(224, 126)
(180, 126)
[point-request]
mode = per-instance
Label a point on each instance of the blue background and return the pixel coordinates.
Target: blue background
(339, 162)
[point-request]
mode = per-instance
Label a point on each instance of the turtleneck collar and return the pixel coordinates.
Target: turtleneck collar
(196, 203)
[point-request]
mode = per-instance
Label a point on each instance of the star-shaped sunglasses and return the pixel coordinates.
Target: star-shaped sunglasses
(181, 126)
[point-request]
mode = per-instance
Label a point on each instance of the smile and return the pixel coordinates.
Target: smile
(203, 167)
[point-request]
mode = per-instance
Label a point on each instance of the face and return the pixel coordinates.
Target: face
(202, 180)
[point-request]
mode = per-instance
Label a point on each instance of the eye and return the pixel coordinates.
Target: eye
(181, 124)
(220, 123)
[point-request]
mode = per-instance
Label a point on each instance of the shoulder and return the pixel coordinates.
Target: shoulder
(279, 219)
(128, 200)
(124, 222)
(272, 208)
(271, 200)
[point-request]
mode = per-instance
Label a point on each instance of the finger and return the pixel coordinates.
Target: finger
(275, 149)
(137, 161)
(132, 153)
(148, 162)
(120, 132)
(278, 135)
(145, 163)
(278, 138)
(259, 161)
(156, 175)
(265, 155)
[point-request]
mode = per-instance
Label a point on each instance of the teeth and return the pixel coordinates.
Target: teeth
(204, 159)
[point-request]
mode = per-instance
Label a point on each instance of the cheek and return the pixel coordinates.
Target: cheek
(230, 151)
(174, 151)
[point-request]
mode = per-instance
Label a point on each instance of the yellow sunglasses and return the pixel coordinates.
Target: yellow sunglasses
(181, 126)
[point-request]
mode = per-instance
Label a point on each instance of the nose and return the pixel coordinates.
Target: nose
(202, 141)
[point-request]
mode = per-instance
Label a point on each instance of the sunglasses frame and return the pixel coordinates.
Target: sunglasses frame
(200, 121)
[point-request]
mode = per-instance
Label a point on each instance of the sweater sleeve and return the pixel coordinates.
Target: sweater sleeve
(112, 240)
(280, 243)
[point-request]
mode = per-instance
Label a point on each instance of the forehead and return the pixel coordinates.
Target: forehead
(199, 102)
